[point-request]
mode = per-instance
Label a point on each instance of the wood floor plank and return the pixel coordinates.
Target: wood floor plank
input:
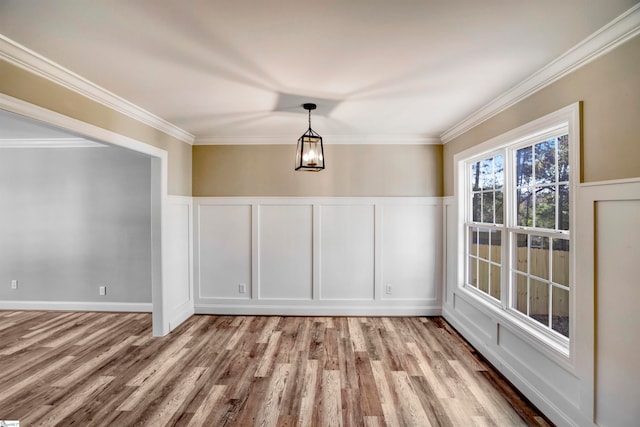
(205, 409)
(176, 347)
(73, 403)
(268, 358)
(387, 400)
(106, 369)
(369, 399)
(150, 381)
(308, 393)
(331, 404)
(37, 336)
(270, 409)
(7, 392)
(412, 411)
(176, 398)
(355, 332)
(96, 362)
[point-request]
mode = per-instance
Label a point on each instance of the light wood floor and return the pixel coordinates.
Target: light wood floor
(105, 369)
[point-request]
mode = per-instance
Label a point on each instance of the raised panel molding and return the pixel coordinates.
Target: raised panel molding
(409, 251)
(286, 258)
(347, 255)
(617, 318)
(318, 256)
(224, 254)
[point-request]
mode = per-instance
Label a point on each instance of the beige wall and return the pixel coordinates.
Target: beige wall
(352, 170)
(26, 86)
(610, 89)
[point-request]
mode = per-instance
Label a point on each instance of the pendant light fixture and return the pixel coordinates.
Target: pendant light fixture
(310, 153)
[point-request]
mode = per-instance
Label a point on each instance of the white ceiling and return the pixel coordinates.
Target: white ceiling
(396, 70)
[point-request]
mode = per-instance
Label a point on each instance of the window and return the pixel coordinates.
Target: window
(517, 226)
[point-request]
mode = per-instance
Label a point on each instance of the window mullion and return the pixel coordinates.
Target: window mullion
(507, 221)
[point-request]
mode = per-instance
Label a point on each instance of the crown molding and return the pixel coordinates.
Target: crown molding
(49, 143)
(616, 32)
(327, 139)
(33, 62)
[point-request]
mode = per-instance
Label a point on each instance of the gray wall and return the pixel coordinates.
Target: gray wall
(72, 219)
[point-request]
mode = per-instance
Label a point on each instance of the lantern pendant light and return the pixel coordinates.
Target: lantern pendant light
(310, 153)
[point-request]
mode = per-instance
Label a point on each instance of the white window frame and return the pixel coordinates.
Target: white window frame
(558, 347)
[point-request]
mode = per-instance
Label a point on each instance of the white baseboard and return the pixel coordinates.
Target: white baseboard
(315, 310)
(76, 306)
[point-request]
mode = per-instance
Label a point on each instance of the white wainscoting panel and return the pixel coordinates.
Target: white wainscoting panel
(347, 252)
(410, 244)
(179, 268)
(318, 256)
(286, 259)
(618, 317)
(224, 250)
(598, 384)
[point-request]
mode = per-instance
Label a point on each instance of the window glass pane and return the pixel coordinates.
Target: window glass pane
(539, 301)
(496, 246)
(563, 207)
(560, 273)
(560, 315)
(483, 246)
(486, 174)
(495, 282)
(525, 208)
(477, 207)
(473, 241)
(473, 272)
(539, 254)
(475, 176)
(498, 167)
(545, 160)
(563, 158)
(483, 276)
(524, 174)
(499, 207)
(522, 251)
(487, 207)
(546, 207)
(520, 296)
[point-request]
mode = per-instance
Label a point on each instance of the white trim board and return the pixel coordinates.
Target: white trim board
(140, 307)
(49, 143)
(318, 310)
(179, 311)
(37, 64)
(327, 139)
(612, 35)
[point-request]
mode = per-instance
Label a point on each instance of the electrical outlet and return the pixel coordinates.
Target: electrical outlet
(14, 284)
(242, 288)
(103, 290)
(389, 289)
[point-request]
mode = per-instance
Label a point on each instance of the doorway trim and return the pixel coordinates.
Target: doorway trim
(159, 180)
